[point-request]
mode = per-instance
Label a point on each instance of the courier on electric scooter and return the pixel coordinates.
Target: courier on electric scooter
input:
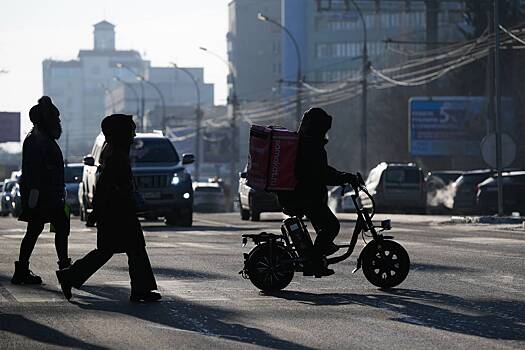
(271, 263)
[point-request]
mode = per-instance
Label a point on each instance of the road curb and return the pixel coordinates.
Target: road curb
(491, 220)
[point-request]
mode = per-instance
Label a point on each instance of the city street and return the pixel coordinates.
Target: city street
(465, 290)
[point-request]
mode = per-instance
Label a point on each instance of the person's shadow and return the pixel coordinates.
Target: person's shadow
(486, 318)
(184, 315)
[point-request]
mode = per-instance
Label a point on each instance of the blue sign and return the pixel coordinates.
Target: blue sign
(444, 126)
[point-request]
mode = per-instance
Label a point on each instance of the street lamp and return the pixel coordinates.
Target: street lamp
(132, 90)
(263, 18)
(110, 93)
(198, 117)
(232, 100)
(142, 99)
(364, 97)
(162, 100)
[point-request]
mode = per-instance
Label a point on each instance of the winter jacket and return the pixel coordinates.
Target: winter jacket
(42, 170)
(118, 228)
(312, 170)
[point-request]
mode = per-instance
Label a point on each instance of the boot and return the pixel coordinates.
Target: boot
(144, 297)
(65, 283)
(23, 275)
(317, 267)
(62, 264)
(330, 249)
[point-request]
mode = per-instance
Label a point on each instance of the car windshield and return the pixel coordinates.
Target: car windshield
(153, 151)
(72, 172)
(402, 175)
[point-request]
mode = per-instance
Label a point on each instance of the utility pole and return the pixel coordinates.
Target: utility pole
(497, 88)
(234, 103)
(198, 119)
(364, 95)
(431, 14)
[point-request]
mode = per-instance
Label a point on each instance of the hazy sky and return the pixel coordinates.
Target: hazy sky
(163, 31)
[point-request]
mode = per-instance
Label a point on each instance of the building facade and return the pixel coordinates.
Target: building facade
(105, 80)
(254, 48)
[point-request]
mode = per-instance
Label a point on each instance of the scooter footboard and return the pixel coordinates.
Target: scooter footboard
(262, 237)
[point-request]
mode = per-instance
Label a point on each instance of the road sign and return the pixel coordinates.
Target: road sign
(10, 130)
(508, 150)
(444, 126)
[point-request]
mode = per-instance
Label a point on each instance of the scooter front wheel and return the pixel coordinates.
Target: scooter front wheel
(385, 263)
(270, 268)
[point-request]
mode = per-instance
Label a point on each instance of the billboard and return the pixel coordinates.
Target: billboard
(9, 126)
(444, 126)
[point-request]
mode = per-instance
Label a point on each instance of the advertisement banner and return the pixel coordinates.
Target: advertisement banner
(444, 126)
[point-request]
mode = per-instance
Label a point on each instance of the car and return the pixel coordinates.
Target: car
(396, 187)
(465, 189)
(73, 177)
(159, 176)
(6, 196)
(513, 193)
(440, 192)
(208, 197)
(253, 202)
(341, 202)
(16, 201)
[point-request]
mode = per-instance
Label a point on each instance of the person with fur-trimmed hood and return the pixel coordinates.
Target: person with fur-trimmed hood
(42, 189)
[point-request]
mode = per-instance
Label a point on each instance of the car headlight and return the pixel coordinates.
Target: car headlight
(178, 177)
(7, 198)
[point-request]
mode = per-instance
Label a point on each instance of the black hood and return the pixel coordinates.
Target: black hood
(315, 123)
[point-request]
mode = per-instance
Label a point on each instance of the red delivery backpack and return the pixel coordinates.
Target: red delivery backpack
(271, 160)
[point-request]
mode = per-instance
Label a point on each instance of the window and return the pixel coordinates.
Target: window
(153, 151)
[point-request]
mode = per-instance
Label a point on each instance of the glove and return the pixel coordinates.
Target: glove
(351, 179)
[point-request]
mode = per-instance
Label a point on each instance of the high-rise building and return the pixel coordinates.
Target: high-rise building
(254, 48)
(81, 88)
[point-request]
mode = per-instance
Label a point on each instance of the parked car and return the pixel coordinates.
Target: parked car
(6, 196)
(466, 189)
(253, 202)
(396, 187)
(513, 193)
(159, 176)
(16, 201)
(440, 192)
(73, 177)
(208, 197)
(339, 202)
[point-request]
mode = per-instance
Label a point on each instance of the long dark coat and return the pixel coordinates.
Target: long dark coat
(42, 170)
(118, 228)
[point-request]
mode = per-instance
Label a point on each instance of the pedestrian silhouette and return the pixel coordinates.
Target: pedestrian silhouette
(42, 189)
(310, 195)
(114, 213)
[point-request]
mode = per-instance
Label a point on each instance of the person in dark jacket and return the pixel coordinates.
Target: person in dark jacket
(114, 212)
(310, 196)
(42, 189)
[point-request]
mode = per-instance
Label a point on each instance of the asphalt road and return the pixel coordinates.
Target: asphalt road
(465, 291)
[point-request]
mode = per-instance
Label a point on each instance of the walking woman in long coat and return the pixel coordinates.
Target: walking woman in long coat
(114, 212)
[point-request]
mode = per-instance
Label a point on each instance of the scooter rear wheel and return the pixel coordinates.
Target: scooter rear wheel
(270, 268)
(385, 264)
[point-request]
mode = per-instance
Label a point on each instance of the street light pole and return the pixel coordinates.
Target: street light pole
(142, 96)
(232, 100)
(159, 92)
(497, 86)
(132, 90)
(364, 95)
(198, 119)
(299, 78)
